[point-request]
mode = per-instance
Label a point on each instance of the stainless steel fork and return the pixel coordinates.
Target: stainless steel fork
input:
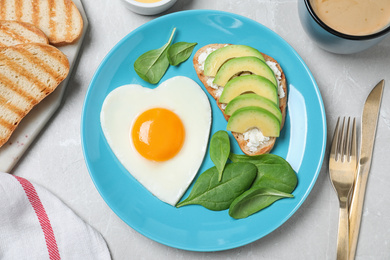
(342, 169)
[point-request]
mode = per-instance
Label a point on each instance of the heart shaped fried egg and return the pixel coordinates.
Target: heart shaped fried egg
(159, 135)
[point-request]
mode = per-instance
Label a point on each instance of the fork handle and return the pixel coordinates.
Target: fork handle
(343, 235)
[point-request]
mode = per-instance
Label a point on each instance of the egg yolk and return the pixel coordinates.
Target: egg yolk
(158, 134)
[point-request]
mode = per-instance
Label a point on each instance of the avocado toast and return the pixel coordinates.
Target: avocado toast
(244, 56)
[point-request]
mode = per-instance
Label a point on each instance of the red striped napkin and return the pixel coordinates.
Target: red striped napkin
(35, 224)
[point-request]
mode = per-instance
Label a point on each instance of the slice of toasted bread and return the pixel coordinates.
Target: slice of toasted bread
(14, 33)
(264, 147)
(60, 20)
(28, 73)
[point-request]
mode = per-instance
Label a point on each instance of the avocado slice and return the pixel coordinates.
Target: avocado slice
(246, 118)
(243, 64)
(218, 57)
(247, 100)
(249, 83)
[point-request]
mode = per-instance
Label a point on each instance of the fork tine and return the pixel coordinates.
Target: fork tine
(346, 153)
(333, 150)
(342, 140)
(354, 149)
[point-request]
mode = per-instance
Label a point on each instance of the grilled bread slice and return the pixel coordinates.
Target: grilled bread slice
(14, 33)
(265, 146)
(60, 20)
(28, 73)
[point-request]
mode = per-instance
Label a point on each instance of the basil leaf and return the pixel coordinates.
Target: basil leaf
(273, 171)
(180, 52)
(220, 150)
(152, 65)
(254, 200)
(218, 195)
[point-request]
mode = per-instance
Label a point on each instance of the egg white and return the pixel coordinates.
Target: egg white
(166, 180)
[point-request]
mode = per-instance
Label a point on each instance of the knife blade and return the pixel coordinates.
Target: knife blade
(369, 123)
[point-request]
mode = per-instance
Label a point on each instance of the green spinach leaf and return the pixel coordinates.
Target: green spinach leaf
(152, 65)
(180, 52)
(273, 171)
(254, 200)
(220, 150)
(218, 195)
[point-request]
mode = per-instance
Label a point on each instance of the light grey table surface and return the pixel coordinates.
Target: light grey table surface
(55, 160)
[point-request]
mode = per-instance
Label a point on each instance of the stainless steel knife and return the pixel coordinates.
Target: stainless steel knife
(368, 131)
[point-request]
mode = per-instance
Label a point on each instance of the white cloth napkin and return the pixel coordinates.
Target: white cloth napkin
(35, 224)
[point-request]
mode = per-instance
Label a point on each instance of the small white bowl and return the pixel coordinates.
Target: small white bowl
(149, 8)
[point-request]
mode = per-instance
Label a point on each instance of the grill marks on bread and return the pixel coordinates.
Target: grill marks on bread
(14, 32)
(28, 73)
(60, 20)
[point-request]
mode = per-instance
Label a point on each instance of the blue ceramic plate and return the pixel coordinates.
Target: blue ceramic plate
(302, 141)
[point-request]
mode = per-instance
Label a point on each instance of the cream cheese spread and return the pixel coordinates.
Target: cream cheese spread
(203, 56)
(278, 76)
(255, 138)
(211, 84)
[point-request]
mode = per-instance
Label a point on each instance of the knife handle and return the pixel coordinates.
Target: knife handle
(355, 210)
